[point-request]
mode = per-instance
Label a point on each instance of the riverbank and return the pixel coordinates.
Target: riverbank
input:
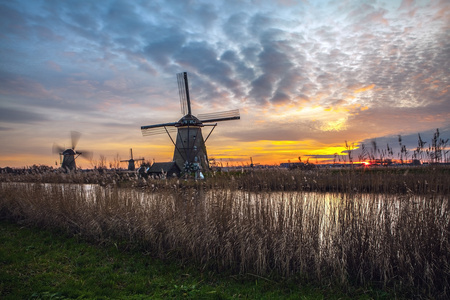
(43, 264)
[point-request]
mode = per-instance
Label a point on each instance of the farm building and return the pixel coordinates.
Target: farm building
(166, 169)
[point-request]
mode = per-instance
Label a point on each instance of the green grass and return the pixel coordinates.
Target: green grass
(40, 264)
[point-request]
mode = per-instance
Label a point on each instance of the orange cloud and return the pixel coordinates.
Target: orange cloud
(365, 88)
(335, 125)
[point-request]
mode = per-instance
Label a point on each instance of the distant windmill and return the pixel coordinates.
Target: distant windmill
(131, 166)
(190, 149)
(69, 155)
(252, 165)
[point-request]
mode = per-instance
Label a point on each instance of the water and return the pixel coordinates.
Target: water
(325, 211)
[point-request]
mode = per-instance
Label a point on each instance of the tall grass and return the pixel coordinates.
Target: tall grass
(392, 180)
(400, 242)
(433, 178)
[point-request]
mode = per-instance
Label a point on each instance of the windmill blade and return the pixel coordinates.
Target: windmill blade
(220, 116)
(158, 128)
(86, 154)
(57, 149)
(183, 91)
(159, 125)
(75, 137)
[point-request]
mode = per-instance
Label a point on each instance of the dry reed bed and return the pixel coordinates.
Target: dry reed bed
(417, 180)
(392, 180)
(397, 242)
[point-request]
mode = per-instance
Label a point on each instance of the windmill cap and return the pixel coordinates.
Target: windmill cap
(69, 152)
(189, 120)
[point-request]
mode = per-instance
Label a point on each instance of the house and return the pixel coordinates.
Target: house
(164, 169)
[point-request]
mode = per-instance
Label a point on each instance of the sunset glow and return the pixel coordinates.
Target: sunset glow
(307, 76)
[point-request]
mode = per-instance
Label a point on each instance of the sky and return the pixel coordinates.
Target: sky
(307, 76)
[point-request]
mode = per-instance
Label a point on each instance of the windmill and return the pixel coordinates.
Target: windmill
(69, 155)
(131, 166)
(252, 165)
(190, 150)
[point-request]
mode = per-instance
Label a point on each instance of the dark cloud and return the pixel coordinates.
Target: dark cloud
(12, 22)
(164, 44)
(206, 14)
(214, 76)
(11, 115)
(280, 98)
(24, 89)
(260, 23)
(267, 58)
(262, 89)
(202, 57)
(275, 61)
(236, 27)
(123, 18)
(242, 72)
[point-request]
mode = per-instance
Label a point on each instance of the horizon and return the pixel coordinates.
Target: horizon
(362, 154)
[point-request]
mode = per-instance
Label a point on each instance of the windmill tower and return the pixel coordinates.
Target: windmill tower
(68, 156)
(131, 166)
(190, 149)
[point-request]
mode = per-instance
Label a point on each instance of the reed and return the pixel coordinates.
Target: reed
(434, 178)
(397, 241)
(392, 180)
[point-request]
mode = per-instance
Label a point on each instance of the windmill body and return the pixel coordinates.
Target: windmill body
(190, 149)
(131, 165)
(69, 155)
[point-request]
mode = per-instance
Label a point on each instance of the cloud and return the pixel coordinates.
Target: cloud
(11, 84)
(235, 27)
(10, 20)
(364, 88)
(303, 71)
(11, 115)
(161, 49)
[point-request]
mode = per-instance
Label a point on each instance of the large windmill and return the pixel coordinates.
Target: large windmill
(131, 166)
(69, 155)
(190, 150)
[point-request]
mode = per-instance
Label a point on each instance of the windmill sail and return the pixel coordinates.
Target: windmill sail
(75, 137)
(183, 91)
(158, 128)
(220, 116)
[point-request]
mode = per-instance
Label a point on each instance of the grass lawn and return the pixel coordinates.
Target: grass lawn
(40, 264)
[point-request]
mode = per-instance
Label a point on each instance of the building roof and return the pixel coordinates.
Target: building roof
(159, 167)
